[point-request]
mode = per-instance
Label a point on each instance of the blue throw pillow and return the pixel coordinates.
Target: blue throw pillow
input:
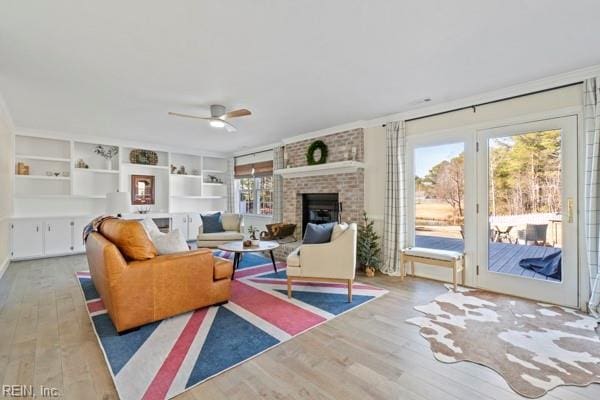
(212, 223)
(316, 234)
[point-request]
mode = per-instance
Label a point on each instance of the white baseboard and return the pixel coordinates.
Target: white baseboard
(4, 266)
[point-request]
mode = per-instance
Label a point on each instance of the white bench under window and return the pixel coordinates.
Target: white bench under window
(435, 257)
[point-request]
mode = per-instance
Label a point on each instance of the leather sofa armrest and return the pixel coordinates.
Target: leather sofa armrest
(223, 268)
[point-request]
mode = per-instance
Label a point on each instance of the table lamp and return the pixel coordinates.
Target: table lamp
(117, 203)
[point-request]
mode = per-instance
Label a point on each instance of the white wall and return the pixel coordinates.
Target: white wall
(6, 151)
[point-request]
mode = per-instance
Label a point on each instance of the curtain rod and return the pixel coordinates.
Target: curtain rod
(474, 106)
(253, 154)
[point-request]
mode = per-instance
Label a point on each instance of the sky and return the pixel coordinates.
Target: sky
(427, 157)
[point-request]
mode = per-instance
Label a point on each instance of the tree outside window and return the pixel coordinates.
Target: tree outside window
(255, 195)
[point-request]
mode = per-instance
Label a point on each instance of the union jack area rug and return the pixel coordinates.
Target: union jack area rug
(166, 358)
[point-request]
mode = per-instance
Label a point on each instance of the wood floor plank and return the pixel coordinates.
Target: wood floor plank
(369, 353)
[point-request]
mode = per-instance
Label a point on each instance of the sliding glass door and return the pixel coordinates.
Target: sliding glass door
(527, 198)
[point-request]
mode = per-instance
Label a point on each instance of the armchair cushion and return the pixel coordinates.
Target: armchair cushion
(130, 237)
(335, 260)
(316, 234)
(231, 222)
(228, 236)
(212, 223)
(293, 260)
(338, 229)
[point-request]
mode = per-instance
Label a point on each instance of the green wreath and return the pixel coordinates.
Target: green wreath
(310, 154)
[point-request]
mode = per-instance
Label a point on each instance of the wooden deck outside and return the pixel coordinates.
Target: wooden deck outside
(504, 257)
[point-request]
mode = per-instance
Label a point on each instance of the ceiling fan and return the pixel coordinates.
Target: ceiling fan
(218, 116)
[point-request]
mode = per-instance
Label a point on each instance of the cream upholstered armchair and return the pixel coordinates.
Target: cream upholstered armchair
(333, 262)
(233, 225)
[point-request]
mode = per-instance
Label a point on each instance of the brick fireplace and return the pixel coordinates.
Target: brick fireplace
(349, 186)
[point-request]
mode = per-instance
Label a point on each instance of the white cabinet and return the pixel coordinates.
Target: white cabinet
(194, 223)
(78, 224)
(27, 238)
(188, 224)
(33, 238)
(58, 236)
(180, 221)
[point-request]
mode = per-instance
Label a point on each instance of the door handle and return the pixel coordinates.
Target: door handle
(570, 210)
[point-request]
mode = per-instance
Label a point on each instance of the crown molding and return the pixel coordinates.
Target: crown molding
(326, 131)
(498, 94)
(494, 95)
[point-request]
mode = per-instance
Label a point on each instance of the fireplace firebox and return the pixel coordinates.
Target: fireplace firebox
(320, 208)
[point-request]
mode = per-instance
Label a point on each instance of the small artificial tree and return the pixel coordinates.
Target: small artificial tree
(367, 246)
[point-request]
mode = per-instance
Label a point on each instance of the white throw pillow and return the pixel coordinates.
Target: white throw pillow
(338, 229)
(150, 227)
(172, 242)
(231, 222)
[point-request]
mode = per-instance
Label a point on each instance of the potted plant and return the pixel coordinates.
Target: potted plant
(367, 246)
(253, 231)
(108, 153)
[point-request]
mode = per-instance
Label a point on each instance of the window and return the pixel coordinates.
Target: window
(255, 195)
(439, 196)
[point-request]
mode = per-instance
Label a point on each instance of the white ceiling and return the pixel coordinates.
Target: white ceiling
(114, 68)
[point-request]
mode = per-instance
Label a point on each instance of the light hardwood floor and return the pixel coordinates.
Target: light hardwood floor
(369, 353)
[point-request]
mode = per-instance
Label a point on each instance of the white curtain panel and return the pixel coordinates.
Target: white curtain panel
(277, 185)
(230, 181)
(591, 126)
(394, 232)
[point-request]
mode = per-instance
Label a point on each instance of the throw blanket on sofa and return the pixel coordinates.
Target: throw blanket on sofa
(94, 225)
(549, 265)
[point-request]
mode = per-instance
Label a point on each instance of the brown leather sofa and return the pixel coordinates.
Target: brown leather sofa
(138, 286)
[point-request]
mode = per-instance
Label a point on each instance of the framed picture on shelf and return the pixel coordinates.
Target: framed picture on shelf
(142, 189)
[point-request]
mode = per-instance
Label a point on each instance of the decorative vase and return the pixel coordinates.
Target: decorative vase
(370, 271)
(255, 242)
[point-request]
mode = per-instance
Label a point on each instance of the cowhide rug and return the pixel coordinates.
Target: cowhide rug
(535, 347)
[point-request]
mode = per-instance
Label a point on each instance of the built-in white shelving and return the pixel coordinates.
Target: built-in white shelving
(180, 176)
(84, 190)
(41, 158)
(212, 184)
(144, 166)
(97, 171)
(42, 177)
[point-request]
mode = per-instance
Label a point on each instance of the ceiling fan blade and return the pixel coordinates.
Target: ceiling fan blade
(229, 127)
(188, 116)
(237, 113)
(226, 125)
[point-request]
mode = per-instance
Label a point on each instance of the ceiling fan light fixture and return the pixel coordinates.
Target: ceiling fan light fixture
(216, 123)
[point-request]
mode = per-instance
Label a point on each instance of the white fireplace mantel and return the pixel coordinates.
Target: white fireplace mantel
(338, 167)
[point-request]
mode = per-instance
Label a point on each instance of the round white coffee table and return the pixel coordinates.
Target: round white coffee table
(237, 248)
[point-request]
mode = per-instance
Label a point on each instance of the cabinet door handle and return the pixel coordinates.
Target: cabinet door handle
(48, 228)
